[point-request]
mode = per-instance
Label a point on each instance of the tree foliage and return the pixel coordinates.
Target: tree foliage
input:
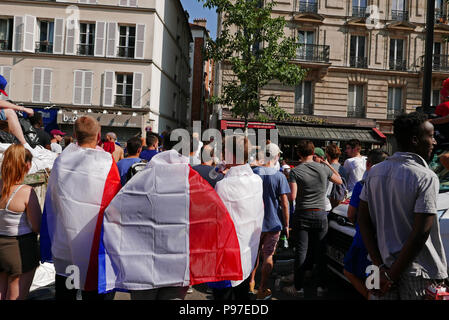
(253, 43)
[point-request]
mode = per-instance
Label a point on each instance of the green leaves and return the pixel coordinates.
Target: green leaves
(253, 43)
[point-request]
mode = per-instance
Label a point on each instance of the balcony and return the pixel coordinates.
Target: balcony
(398, 64)
(44, 47)
(85, 50)
(356, 112)
(123, 101)
(399, 15)
(393, 113)
(125, 52)
(440, 62)
(307, 7)
(440, 16)
(313, 52)
(359, 12)
(5, 45)
(305, 109)
(358, 62)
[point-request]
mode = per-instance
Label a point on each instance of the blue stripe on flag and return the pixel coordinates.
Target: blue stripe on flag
(101, 264)
(44, 239)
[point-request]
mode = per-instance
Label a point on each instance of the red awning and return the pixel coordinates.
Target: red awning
(225, 124)
(379, 133)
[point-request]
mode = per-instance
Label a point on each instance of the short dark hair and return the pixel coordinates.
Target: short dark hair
(151, 139)
(333, 151)
(376, 156)
(306, 148)
(36, 118)
(354, 143)
(408, 125)
(167, 144)
(133, 145)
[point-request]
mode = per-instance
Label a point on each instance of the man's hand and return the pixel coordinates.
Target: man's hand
(28, 111)
(287, 232)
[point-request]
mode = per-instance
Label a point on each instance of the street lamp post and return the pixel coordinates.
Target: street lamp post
(428, 58)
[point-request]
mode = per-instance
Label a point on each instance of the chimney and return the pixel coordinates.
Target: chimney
(200, 22)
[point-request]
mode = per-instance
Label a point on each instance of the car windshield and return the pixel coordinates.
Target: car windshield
(441, 172)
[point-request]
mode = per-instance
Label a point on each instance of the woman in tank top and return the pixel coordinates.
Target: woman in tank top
(20, 219)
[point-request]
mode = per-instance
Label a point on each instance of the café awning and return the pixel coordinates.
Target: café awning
(330, 134)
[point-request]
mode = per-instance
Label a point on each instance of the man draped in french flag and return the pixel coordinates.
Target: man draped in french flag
(168, 229)
(83, 181)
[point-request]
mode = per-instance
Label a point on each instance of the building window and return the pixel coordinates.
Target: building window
(42, 85)
(6, 33)
(307, 6)
(86, 46)
(124, 90)
(394, 107)
(440, 11)
(356, 101)
(307, 41)
(45, 44)
(303, 98)
(435, 99)
(397, 61)
(127, 41)
(359, 9)
(358, 57)
(399, 10)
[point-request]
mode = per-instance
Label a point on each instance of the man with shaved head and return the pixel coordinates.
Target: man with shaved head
(118, 152)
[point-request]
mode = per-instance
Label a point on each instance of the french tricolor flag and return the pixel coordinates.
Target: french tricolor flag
(167, 227)
(82, 184)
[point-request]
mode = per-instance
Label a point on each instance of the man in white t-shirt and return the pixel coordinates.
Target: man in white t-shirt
(56, 137)
(355, 166)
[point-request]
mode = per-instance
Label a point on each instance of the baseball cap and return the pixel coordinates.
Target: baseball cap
(56, 132)
(272, 150)
(3, 84)
(320, 152)
(286, 167)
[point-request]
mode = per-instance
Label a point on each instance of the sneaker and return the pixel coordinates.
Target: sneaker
(288, 279)
(190, 290)
(321, 291)
(264, 295)
(291, 291)
(251, 288)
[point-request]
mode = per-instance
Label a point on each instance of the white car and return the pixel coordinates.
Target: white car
(342, 231)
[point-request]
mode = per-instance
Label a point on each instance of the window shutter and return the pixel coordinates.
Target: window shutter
(92, 1)
(123, 3)
(5, 71)
(37, 84)
(87, 94)
(132, 3)
(28, 39)
(17, 44)
(58, 42)
(70, 40)
(140, 42)
(137, 90)
(108, 88)
(100, 35)
(78, 87)
(111, 43)
(46, 85)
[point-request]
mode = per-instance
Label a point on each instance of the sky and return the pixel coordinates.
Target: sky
(196, 10)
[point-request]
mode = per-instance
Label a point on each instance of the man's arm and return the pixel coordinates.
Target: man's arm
(8, 105)
(294, 189)
(286, 214)
(368, 233)
(441, 120)
(422, 223)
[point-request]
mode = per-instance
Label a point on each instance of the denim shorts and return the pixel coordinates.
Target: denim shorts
(2, 115)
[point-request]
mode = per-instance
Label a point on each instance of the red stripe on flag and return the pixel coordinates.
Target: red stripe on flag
(111, 188)
(214, 246)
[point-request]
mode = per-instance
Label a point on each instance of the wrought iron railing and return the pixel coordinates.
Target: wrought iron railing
(393, 113)
(398, 64)
(86, 49)
(399, 15)
(44, 47)
(5, 45)
(304, 108)
(126, 52)
(356, 112)
(358, 62)
(359, 12)
(313, 52)
(440, 16)
(440, 62)
(123, 101)
(307, 7)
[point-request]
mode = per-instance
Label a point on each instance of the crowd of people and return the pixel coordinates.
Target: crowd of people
(95, 192)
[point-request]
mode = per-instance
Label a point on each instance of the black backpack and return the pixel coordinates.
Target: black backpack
(29, 132)
(6, 137)
(135, 169)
